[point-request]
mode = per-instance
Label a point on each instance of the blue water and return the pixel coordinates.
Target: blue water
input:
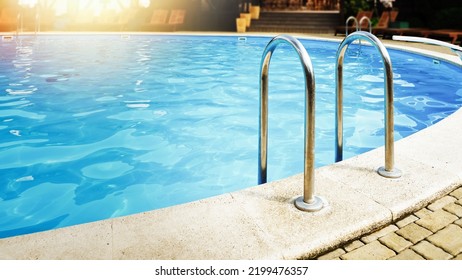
(94, 127)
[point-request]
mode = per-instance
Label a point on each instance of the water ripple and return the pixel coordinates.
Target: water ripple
(128, 126)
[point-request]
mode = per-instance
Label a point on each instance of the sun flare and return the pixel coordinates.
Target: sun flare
(88, 7)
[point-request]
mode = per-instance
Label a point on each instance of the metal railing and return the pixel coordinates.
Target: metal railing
(37, 22)
(307, 202)
(368, 21)
(348, 21)
(388, 170)
(19, 24)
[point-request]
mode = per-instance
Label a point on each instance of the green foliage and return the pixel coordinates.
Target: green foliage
(435, 14)
(447, 18)
(352, 7)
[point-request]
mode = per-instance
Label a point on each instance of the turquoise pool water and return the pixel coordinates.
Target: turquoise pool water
(94, 127)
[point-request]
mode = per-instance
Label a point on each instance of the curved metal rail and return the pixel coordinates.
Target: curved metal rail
(19, 23)
(347, 21)
(308, 202)
(37, 21)
(388, 170)
(364, 18)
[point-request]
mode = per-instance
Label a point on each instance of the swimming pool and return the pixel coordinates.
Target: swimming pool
(93, 130)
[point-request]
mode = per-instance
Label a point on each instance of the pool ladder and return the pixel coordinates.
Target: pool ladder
(388, 171)
(20, 22)
(310, 202)
(355, 20)
(369, 23)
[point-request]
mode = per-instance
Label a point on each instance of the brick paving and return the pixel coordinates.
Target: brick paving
(432, 233)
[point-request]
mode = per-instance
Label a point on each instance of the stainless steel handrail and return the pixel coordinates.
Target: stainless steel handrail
(347, 21)
(37, 21)
(19, 24)
(388, 170)
(307, 202)
(368, 21)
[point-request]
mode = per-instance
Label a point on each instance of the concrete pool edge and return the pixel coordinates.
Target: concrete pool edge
(261, 222)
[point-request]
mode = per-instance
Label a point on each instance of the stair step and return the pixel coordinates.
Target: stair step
(296, 22)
